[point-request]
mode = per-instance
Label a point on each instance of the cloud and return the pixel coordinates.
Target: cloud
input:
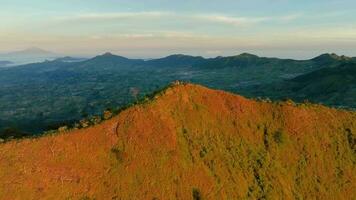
(290, 17)
(164, 16)
(157, 34)
(116, 16)
(237, 21)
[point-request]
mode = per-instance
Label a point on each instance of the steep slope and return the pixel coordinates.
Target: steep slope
(190, 142)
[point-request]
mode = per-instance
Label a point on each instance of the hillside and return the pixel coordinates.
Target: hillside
(42, 96)
(191, 142)
(332, 85)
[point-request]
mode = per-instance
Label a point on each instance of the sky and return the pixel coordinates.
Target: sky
(155, 28)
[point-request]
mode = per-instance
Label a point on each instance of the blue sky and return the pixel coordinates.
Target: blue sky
(154, 28)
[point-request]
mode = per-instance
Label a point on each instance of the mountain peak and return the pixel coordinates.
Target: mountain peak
(177, 55)
(176, 60)
(109, 55)
(330, 57)
(110, 59)
(247, 55)
(181, 56)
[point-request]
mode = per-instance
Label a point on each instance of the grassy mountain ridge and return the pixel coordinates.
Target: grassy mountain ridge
(191, 142)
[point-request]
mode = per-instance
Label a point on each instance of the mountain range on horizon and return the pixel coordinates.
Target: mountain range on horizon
(43, 96)
(35, 54)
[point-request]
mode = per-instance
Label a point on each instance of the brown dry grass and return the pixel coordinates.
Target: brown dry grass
(191, 142)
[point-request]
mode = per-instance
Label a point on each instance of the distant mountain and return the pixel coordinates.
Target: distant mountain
(30, 51)
(190, 142)
(248, 69)
(250, 60)
(70, 59)
(241, 60)
(109, 59)
(5, 63)
(176, 61)
(263, 70)
(29, 55)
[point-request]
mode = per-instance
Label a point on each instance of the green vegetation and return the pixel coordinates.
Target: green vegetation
(46, 96)
(278, 137)
(196, 194)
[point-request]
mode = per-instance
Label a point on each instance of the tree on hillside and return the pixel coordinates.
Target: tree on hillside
(135, 92)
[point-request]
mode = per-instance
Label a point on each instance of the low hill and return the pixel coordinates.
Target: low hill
(190, 142)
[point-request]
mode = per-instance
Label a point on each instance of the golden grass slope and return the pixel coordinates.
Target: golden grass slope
(191, 143)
